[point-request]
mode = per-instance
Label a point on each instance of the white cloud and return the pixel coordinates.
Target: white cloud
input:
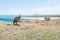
(54, 8)
(27, 11)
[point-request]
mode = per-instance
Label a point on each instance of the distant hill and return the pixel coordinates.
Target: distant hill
(30, 15)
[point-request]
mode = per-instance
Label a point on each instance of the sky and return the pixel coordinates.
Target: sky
(29, 7)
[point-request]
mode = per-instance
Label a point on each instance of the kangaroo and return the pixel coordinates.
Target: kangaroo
(47, 18)
(16, 20)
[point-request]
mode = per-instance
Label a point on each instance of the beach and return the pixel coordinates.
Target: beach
(33, 29)
(29, 19)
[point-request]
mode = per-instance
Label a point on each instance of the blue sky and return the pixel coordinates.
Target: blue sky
(29, 7)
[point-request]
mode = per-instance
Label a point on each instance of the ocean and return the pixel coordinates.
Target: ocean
(10, 19)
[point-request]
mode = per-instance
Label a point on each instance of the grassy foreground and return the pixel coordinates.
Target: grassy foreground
(29, 31)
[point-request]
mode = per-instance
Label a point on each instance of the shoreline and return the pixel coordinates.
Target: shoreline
(26, 18)
(51, 22)
(56, 18)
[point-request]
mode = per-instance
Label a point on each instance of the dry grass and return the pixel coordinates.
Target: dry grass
(31, 30)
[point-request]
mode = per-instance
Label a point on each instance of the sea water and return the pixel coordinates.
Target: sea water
(10, 19)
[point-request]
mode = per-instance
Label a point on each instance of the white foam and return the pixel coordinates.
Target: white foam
(42, 18)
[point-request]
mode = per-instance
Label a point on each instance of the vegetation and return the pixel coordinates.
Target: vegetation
(23, 32)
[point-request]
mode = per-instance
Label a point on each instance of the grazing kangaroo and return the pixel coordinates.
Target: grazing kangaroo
(16, 20)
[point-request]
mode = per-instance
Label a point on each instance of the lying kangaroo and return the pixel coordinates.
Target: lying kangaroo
(47, 18)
